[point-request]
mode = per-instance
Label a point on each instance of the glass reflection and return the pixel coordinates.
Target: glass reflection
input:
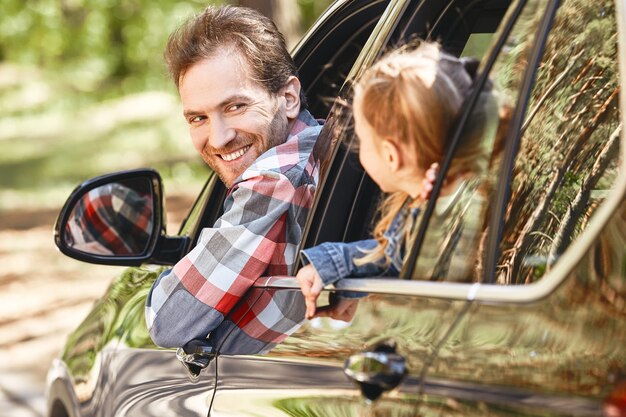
(569, 151)
(114, 219)
(452, 243)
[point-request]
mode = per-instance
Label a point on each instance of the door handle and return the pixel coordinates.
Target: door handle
(196, 355)
(376, 372)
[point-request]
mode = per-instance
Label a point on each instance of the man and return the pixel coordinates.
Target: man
(242, 100)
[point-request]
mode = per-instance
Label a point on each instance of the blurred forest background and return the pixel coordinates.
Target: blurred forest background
(83, 92)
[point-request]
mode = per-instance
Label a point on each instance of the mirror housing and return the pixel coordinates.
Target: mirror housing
(118, 219)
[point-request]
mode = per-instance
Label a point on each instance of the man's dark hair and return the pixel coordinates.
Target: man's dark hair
(253, 34)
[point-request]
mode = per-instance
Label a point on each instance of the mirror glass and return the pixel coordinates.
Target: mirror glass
(114, 219)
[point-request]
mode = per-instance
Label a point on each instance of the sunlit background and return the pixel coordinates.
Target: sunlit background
(83, 92)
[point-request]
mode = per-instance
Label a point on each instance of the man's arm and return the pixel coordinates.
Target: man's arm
(192, 299)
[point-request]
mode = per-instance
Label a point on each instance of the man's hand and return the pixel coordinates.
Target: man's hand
(339, 309)
(311, 285)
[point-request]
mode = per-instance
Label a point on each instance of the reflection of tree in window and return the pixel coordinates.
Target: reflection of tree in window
(607, 266)
(568, 152)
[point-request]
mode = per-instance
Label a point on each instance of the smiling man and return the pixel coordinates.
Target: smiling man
(242, 101)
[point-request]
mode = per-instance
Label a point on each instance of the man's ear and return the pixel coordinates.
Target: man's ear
(291, 92)
(392, 155)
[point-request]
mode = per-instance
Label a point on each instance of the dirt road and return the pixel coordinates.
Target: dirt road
(43, 296)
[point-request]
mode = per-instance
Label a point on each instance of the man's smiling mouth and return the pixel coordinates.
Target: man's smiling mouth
(234, 155)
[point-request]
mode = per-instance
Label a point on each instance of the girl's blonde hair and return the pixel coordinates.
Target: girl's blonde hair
(414, 95)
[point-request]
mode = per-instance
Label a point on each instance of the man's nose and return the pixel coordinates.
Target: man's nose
(221, 133)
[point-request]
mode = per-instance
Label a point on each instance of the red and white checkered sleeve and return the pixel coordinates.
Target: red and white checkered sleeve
(193, 298)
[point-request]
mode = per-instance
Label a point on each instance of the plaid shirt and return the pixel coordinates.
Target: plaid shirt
(264, 318)
(112, 219)
(258, 234)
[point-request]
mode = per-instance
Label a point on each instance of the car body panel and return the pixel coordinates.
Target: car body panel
(546, 356)
(550, 348)
(154, 383)
(413, 325)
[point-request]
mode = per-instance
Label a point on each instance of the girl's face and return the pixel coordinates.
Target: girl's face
(371, 152)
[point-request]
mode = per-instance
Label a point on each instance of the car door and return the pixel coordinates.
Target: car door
(147, 380)
(541, 330)
(304, 374)
(545, 331)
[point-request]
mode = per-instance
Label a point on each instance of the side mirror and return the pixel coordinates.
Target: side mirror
(117, 219)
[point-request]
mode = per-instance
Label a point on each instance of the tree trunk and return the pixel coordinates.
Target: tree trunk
(284, 13)
(549, 90)
(523, 240)
(577, 208)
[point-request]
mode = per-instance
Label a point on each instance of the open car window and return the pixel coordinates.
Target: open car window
(324, 59)
(449, 241)
(347, 205)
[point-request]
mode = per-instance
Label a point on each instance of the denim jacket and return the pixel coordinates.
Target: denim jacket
(335, 260)
(449, 250)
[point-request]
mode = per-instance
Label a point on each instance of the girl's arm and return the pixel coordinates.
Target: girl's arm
(328, 263)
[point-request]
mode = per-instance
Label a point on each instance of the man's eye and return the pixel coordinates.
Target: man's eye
(235, 107)
(196, 119)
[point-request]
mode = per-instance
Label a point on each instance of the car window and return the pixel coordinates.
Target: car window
(325, 59)
(567, 157)
(568, 154)
(467, 28)
(348, 200)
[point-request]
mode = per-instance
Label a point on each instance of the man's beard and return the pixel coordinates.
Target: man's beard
(276, 134)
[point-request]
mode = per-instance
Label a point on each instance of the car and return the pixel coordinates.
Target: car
(540, 330)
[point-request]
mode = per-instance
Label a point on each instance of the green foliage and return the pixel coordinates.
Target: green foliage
(109, 47)
(73, 103)
(48, 148)
(311, 9)
(73, 77)
(105, 47)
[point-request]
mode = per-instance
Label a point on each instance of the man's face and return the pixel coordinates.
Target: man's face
(232, 118)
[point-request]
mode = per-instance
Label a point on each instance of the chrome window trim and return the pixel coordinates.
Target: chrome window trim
(518, 294)
(318, 22)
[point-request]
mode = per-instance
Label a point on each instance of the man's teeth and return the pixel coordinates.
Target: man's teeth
(235, 155)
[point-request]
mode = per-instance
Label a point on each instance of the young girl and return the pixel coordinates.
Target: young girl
(404, 107)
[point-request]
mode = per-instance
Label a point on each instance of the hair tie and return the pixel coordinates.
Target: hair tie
(471, 66)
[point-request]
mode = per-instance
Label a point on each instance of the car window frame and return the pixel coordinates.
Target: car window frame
(330, 204)
(334, 207)
(519, 294)
(512, 144)
(316, 224)
(302, 52)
